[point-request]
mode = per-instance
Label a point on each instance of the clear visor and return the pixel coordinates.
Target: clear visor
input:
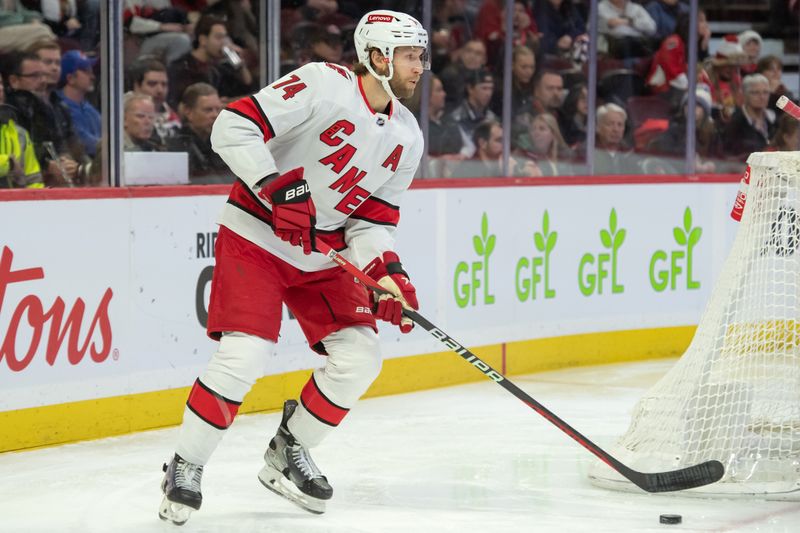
(412, 57)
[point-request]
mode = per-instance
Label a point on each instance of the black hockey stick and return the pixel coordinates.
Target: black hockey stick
(684, 478)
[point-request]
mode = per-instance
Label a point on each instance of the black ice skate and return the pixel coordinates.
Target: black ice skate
(181, 487)
(290, 472)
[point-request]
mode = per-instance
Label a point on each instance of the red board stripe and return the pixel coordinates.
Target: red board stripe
(320, 406)
(213, 408)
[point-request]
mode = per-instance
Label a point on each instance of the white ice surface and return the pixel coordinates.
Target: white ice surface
(461, 459)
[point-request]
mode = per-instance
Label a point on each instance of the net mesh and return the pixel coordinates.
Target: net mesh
(734, 396)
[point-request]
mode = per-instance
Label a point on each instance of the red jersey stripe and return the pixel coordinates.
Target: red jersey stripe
(377, 211)
(248, 108)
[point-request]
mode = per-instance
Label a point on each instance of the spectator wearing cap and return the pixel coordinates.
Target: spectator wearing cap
(475, 108)
(673, 141)
(208, 62)
(751, 43)
(627, 26)
(752, 124)
(470, 58)
(77, 80)
(725, 78)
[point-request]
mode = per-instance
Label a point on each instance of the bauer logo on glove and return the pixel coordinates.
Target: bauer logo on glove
(293, 212)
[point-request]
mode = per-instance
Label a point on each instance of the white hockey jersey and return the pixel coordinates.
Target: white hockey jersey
(357, 162)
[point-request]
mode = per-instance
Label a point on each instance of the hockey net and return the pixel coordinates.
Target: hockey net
(734, 396)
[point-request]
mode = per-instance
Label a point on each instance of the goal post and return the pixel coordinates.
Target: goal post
(734, 395)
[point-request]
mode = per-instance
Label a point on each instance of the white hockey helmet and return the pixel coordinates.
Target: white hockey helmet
(386, 30)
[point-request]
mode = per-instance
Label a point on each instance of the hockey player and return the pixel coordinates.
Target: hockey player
(321, 154)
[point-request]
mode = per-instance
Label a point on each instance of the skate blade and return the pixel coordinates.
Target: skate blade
(177, 513)
(275, 481)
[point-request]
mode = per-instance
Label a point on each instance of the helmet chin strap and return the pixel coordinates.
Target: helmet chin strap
(383, 79)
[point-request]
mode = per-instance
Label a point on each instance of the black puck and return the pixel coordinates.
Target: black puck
(670, 519)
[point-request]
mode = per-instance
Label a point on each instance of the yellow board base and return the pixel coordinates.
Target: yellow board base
(106, 417)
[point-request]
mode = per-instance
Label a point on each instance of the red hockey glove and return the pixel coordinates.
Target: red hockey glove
(389, 274)
(293, 211)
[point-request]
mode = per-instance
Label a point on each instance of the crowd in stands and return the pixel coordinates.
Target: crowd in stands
(186, 59)
(181, 66)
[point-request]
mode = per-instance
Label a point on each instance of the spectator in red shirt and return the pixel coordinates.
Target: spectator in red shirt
(670, 63)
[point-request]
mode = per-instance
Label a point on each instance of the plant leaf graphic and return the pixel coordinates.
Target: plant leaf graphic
(694, 236)
(551, 241)
(605, 238)
(619, 238)
(680, 236)
(687, 220)
(539, 240)
(490, 245)
(478, 244)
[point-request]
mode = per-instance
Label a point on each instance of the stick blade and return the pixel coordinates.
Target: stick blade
(682, 479)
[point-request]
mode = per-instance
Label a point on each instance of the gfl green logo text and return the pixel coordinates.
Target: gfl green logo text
(595, 269)
(534, 273)
(666, 268)
(474, 275)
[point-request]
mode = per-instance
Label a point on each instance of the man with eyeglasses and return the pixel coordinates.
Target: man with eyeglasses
(48, 121)
(753, 124)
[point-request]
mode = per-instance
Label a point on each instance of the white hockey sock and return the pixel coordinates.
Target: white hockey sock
(215, 398)
(354, 361)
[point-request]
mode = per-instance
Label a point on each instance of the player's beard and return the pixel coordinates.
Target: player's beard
(401, 89)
